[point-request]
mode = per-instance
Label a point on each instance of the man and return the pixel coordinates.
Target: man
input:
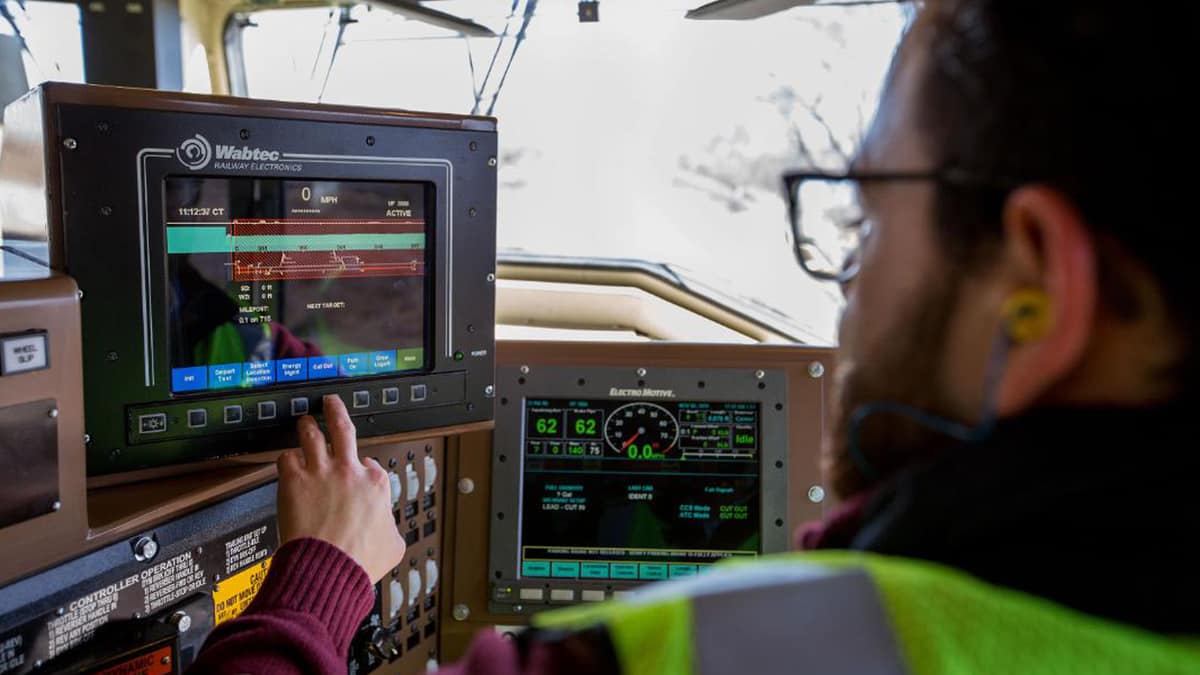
(1015, 371)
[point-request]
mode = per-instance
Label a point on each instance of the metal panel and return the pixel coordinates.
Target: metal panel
(29, 449)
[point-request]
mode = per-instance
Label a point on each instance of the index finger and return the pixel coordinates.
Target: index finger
(341, 430)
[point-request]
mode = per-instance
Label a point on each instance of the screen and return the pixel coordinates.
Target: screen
(276, 282)
(636, 491)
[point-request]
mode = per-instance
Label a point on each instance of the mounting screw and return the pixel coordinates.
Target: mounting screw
(60, 611)
(466, 486)
(760, 374)
(816, 494)
(79, 294)
(524, 370)
(244, 134)
(57, 506)
(492, 161)
(370, 140)
(393, 462)
(87, 439)
(472, 212)
(166, 660)
(473, 146)
(641, 372)
(182, 621)
(489, 391)
(144, 549)
(102, 127)
(491, 277)
(106, 210)
(461, 612)
(816, 370)
(70, 143)
(111, 356)
(53, 413)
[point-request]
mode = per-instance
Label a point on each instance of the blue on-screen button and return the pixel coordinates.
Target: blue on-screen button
(258, 373)
(291, 370)
(225, 376)
(320, 367)
(383, 362)
(356, 364)
(189, 379)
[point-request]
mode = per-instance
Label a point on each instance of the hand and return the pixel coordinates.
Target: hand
(336, 497)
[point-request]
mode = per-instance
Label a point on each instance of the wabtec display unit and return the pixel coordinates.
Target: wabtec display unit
(239, 259)
(183, 277)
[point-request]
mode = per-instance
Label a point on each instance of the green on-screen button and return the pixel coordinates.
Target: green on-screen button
(624, 571)
(683, 571)
(654, 571)
(595, 570)
(565, 570)
(535, 569)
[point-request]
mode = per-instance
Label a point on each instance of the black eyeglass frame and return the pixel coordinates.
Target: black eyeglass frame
(793, 179)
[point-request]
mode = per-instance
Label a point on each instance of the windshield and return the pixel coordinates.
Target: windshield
(642, 136)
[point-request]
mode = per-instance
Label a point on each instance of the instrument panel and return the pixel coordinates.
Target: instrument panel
(607, 478)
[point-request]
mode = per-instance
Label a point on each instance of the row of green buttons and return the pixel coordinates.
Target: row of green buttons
(624, 571)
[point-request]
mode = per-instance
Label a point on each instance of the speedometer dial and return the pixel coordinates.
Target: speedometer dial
(641, 431)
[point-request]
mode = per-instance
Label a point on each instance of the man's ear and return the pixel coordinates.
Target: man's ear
(1048, 251)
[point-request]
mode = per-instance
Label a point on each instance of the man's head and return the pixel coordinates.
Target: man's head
(1067, 116)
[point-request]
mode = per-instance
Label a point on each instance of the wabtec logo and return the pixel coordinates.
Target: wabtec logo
(196, 152)
(246, 153)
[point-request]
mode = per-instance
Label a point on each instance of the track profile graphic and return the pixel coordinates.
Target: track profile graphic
(195, 153)
(310, 248)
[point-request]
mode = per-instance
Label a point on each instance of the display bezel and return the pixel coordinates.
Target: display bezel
(767, 388)
(430, 195)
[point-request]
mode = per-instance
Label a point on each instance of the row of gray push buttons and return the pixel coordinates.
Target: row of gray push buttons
(568, 595)
(198, 417)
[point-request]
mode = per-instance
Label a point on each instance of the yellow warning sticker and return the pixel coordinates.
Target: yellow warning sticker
(233, 595)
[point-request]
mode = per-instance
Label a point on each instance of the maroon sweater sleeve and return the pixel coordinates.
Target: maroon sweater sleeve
(301, 621)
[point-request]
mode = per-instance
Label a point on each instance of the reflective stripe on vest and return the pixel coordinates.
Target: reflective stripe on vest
(859, 613)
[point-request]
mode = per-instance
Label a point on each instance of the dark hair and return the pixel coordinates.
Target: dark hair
(1084, 95)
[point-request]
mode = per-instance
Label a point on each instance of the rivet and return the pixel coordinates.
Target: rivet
(473, 146)
(57, 506)
(461, 612)
(70, 143)
(492, 162)
(53, 413)
(760, 374)
(524, 370)
(816, 370)
(491, 277)
(472, 212)
(816, 494)
(466, 486)
(106, 210)
(489, 391)
(641, 372)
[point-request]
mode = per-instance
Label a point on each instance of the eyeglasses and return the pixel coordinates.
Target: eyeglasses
(829, 224)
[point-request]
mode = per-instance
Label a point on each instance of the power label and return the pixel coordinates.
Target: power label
(157, 662)
(233, 596)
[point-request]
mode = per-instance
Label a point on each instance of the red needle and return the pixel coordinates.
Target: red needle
(630, 441)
